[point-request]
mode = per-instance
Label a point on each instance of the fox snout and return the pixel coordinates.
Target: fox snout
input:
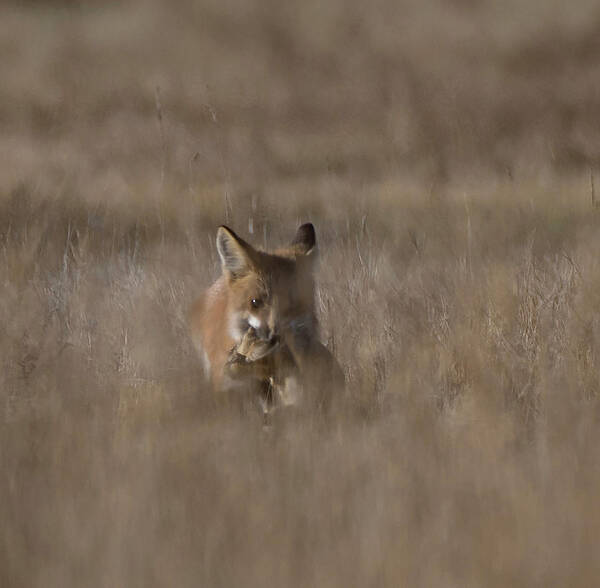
(265, 330)
(270, 329)
(268, 335)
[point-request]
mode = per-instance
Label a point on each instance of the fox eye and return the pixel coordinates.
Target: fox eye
(256, 302)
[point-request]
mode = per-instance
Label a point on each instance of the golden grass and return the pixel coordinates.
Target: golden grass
(443, 153)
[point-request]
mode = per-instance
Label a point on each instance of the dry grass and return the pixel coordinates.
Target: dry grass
(443, 151)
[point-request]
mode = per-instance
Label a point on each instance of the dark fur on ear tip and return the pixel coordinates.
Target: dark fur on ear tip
(305, 239)
(228, 230)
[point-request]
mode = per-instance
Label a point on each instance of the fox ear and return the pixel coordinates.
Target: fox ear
(305, 241)
(234, 252)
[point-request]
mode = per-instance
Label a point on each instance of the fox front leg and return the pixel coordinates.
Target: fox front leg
(320, 373)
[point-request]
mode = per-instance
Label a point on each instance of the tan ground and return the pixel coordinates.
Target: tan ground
(444, 152)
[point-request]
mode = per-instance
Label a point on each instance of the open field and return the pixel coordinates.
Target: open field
(446, 153)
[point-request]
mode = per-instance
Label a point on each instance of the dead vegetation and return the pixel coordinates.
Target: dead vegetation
(444, 152)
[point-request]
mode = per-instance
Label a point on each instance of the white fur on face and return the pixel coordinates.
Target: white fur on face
(254, 322)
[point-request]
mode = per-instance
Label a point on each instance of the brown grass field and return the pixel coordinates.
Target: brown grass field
(446, 152)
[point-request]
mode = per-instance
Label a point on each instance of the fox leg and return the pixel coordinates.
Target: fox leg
(320, 372)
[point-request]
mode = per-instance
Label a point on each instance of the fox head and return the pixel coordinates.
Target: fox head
(270, 292)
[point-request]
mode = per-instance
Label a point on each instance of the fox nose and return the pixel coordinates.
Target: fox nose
(268, 334)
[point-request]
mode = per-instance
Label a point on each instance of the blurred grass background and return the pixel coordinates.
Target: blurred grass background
(446, 152)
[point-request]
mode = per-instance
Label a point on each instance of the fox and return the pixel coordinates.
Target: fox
(256, 326)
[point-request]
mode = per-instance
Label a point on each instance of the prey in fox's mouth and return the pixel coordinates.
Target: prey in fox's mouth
(252, 347)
